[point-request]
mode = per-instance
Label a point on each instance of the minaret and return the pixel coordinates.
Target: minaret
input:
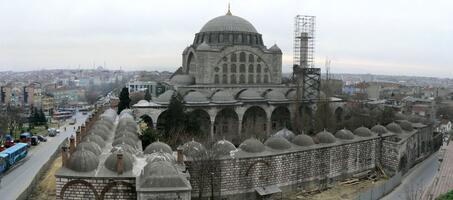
(229, 12)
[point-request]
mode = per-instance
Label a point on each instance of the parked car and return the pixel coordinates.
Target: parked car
(34, 140)
(58, 131)
(52, 132)
(42, 138)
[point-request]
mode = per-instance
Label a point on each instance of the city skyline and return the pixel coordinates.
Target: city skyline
(358, 37)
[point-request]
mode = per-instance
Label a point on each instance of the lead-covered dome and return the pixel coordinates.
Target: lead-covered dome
(158, 147)
(394, 127)
(287, 134)
(275, 96)
(228, 23)
(182, 79)
(250, 95)
(83, 161)
(193, 149)
(363, 132)
(223, 147)
(252, 145)
(344, 134)
(195, 97)
(111, 161)
(406, 125)
(379, 129)
(325, 137)
(278, 143)
(90, 146)
(165, 97)
(303, 140)
(223, 97)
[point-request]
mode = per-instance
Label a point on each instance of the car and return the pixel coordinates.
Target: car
(34, 140)
(58, 131)
(52, 132)
(42, 138)
(84, 113)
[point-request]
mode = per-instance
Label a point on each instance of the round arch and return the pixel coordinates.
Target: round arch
(89, 186)
(161, 120)
(129, 188)
(339, 112)
(191, 63)
(280, 118)
(201, 120)
(254, 123)
(147, 120)
(226, 125)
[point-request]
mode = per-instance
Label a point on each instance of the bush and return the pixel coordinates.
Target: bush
(446, 196)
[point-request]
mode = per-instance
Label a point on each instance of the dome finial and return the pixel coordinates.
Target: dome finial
(229, 12)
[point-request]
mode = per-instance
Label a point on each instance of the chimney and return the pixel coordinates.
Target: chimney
(78, 136)
(119, 162)
(64, 156)
(71, 144)
(179, 155)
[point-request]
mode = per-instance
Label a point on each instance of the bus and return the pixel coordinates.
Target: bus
(9, 157)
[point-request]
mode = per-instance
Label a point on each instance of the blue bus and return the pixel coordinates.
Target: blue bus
(9, 157)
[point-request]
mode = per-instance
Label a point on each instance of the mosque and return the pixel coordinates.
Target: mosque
(234, 81)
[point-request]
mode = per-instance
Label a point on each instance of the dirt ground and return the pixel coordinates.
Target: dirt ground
(45, 189)
(338, 192)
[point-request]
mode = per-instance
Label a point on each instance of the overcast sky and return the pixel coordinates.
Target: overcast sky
(400, 37)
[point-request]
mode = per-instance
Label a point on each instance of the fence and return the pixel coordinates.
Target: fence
(381, 190)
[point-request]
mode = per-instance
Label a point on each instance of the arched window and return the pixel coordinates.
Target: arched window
(258, 78)
(251, 58)
(233, 57)
(233, 79)
(230, 38)
(221, 38)
(256, 39)
(225, 68)
(224, 79)
(242, 57)
(242, 68)
(250, 78)
(251, 68)
(240, 38)
(216, 79)
(266, 78)
(248, 39)
(242, 78)
(233, 68)
(258, 68)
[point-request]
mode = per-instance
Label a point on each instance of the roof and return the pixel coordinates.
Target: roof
(195, 97)
(158, 147)
(223, 147)
(277, 142)
(303, 140)
(379, 129)
(344, 134)
(252, 145)
(363, 132)
(325, 137)
(14, 148)
(287, 134)
(83, 161)
(394, 127)
(222, 96)
(111, 161)
(228, 23)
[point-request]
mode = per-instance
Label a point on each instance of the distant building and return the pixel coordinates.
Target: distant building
(154, 88)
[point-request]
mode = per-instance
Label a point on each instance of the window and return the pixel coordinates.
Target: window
(242, 78)
(230, 38)
(233, 57)
(242, 68)
(250, 68)
(233, 79)
(258, 78)
(216, 69)
(224, 79)
(221, 38)
(216, 79)
(258, 68)
(250, 78)
(240, 38)
(251, 58)
(225, 59)
(233, 68)
(266, 79)
(225, 68)
(258, 59)
(248, 39)
(242, 57)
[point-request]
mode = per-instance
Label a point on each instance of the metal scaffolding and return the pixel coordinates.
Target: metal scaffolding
(304, 41)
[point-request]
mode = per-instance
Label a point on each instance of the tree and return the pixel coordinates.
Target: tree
(148, 136)
(124, 100)
(176, 116)
(147, 95)
(324, 117)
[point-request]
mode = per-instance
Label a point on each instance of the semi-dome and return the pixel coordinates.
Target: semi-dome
(344, 134)
(277, 142)
(252, 145)
(223, 147)
(193, 149)
(363, 132)
(287, 134)
(250, 95)
(165, 97)
(275, 49)
(394, 127)
(160, 156)
(228, 23)
(303, 140)
(83, 161)
(96, 139)
(195, 97)
(111, 161)
(379, 129)
(223, 97)
(406, 125)
(325, 137)
(90, 146)
(124, 140)
(275, 96)
(182, 79)
(158, 147)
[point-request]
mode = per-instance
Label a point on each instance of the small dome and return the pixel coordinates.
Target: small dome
(228, 23)
(160, 156)
(96, 139)
(165, 97)
(90, 146)
(203, 47)
(379, 129)
(363, 132)
(303, 140)
(223, 148)
(142, 103)
(275, 49)
(125, 148)
(279, 143)
(158, 147)
(250, 95)
(195, 97)
(127, 134)
(394, 127)
(416, 119)
(182, 79)
(275, 96)
(406, 125)
(400, 116)
(163, 174)
(124, 140)
(193, 149)
(83, 161)
(128, 161)
(223, 97)
(159, 168)
(344, 134)
(325, 137)
(252, 145)
(287, 134)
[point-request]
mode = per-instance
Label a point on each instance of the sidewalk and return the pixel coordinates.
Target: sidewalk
(443, 182)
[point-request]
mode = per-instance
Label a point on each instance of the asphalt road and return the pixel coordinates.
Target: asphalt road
(416, 180)
(18, 179)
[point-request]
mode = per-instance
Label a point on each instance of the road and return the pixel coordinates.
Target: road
(18, 179)
(416, 180)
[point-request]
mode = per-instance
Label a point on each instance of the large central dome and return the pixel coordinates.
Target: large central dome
(228, 23)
